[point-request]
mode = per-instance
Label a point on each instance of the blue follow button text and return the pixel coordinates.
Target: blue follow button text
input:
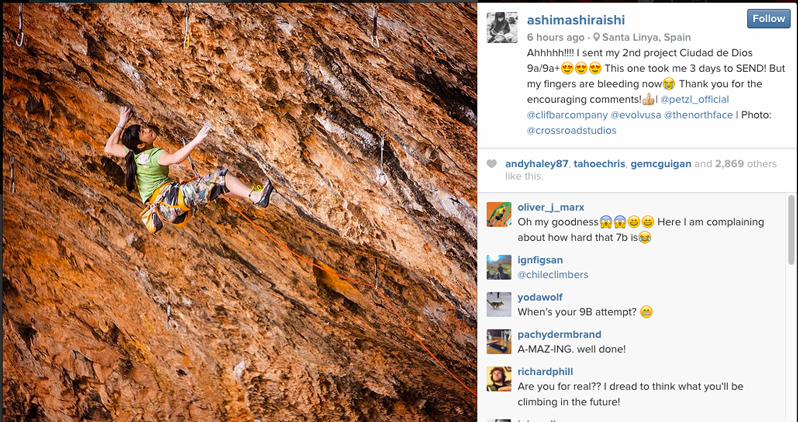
(768, 18)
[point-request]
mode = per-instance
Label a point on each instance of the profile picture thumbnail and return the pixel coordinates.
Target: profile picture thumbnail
(500, 267)
(502, 27)
(500, 342)
(499, 214)
(500, 304)
(499, 378)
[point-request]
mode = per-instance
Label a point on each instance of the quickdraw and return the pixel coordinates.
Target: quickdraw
(187, 42)
(376, 281)
(20, 34)
(169, 311)
(374, 28)
(190, 161)
(196, 175)
(13, 187)
(382, 179)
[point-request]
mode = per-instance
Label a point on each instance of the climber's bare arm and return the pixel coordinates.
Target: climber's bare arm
(113, 146)
(180, 155)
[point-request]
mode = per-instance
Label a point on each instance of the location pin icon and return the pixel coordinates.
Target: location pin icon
(596, 36)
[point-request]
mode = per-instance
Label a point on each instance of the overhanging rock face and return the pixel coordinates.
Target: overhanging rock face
(215, 321)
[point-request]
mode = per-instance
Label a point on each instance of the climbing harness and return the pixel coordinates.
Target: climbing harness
(151, 215)
(374, 29)
(382, 180)
(187, 42)
(352, 280)
(13, 188)
(20, 34)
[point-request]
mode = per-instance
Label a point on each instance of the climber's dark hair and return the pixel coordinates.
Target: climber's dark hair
(130, 139)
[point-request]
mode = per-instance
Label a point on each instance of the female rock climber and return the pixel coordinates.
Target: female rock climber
(148, 167)
(499, 29)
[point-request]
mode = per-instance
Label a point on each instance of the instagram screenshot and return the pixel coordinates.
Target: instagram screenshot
(399, 212)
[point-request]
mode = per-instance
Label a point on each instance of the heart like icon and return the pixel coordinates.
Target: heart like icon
(491, 163)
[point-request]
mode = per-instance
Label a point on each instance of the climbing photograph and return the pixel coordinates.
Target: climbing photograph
(238, 212)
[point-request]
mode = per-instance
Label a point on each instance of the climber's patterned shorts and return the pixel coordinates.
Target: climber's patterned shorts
(196, 194)
(200, 192)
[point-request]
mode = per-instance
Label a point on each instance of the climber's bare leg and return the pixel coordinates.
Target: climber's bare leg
(238, 189)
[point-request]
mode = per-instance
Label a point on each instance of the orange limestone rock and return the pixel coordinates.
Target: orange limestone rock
(214, 321)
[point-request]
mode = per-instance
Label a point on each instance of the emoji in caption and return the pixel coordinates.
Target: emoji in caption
(581, 68)
(648, 100)
(606, 222)
(648, 221)
(595, 68)
(567, 68)
(646, 311)
(620, 222)
(634, 221)
(644, 237)
(669, 83)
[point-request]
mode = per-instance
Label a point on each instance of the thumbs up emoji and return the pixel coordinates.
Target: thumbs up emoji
(648, 100)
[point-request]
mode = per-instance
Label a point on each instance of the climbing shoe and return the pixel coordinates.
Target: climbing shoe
(266, 193)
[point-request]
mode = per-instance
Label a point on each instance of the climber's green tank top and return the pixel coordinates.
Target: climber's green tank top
(150, 174)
